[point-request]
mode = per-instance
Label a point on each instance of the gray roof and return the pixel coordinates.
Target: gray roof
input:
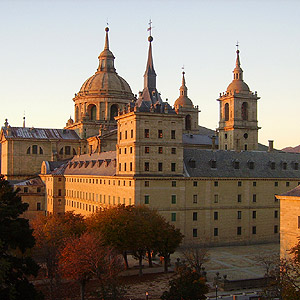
(225, 160)
(39, 133)
(37, 181)
(198, 139)
(295, 192)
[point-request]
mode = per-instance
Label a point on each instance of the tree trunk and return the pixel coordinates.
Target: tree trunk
(150, 259)
(166, 263)
(82, 289)
(125, 260)
(140, 265)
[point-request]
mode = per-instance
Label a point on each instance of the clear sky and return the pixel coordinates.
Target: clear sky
(49, 48)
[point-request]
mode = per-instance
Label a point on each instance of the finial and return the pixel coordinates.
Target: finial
(6, 123)
(150, 38)
(237, 47)
(106, 46)
(24, 121)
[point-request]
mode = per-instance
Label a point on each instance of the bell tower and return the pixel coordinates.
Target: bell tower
(238, 129)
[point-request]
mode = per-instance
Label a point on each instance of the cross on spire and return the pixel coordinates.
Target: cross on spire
(150, 27)
(237, 45)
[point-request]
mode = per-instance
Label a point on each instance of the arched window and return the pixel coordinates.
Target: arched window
(93, 113)
(41, 150)
(245, 111)
(188, 122)
(76, 114)
(113, 111)
(226, 112)
(28, 150)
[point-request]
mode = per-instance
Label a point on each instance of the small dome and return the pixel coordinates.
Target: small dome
(238, 86)
(184, 102)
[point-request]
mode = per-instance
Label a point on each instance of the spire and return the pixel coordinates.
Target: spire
(150, 75)
(238, 72)
(106, 58)
(183, 88)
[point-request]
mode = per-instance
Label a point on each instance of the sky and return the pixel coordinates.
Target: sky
(49, 48)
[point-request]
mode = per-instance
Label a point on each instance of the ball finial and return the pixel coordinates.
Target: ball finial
(150, 38)
(106, 29)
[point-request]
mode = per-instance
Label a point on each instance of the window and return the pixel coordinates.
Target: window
(236, 164)
(287, 184)
(67, 150)
(251, 164)
(173, 199)
(284, 165)
(173, 151)
(160, 150)
(173, 167)
(276, 214)
(239, 230)
(272, 165)
(119, 166)
(160, 134)
(28, 151)
(216, 215)
(146, 133)
(296, 166)
(276, 183)
(239, 214)
(254, 214)
(216, 231)
(195, 232)
(41, 150)
(298, 222)
(130, 166)
(120, 135)
(275, 228)
(216, 183)
(213, 164)
(125, 167)
(25, 189)
(226, 112)
(38, 190)
(239, 198)
(239, 183)
(120, 151)
(195, 216)
(59, 179)
(173, 183)
(131, 133)
(192, 163)
(173, 134)
(34, 149)
(125, 134)
(254, 198)
(195, 198)
(147, 149)
(147, 198)
(125, 150)
(254, 183)
(59, 192)
(173, 217)
(216, 198)
(253, 229)
(147, 166)
(38, 206)
(188, 122)
(160, 166)
(195, 183)
(245, 111)
(130, 149)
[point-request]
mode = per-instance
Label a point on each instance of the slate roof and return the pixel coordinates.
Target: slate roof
(37, 181)
(225, 164)
(198, 139)
(40, 133)
(295, 192)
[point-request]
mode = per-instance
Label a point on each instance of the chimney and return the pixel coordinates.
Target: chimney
(271, 146)
(213, 142)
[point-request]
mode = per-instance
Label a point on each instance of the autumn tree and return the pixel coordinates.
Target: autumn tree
(87, 257)
(16, 240)
(189, 285)
(51, 232)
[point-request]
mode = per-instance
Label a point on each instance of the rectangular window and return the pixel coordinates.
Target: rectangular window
(147, 183)
(38, 189)
(239, 214)
(34, 149)
(120, 135)
(195, 183)
(216, 215)
(147, 199)
(254, 198)
(38, 206)
(59, 192)
(147, 168)
(253, 229)
(275, 228)
(239, 183)
(254, 183)
(254, 214)
(216, 231)
(147, 149)
(130, 149)
(160, 134)
(287, 184)
(213, 164)
(67, 150)
(119, 166)
(173, 183)
(239, 198)
(173, 134)
(216, 198)
(276, 183)
(216, 183)
(173, 199)
(173, 167)
(195, 216)
(125, 150)
(160, 166)
(236, 164)
(124, 168)
(173, 151)
(195, 198)
(131, 133)
(276, 214)
(25, 189)
(298, 222)
(195, 233)
(131, 166)
(173, 217)
(146, 133)
(160, 150)
(239, 230)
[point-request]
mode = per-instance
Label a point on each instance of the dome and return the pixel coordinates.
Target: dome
(184, 102)
(238, 86)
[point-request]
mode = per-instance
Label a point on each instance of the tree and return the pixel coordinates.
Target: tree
(86, 257)
(16, 240)
(51, 233)
(187, 286)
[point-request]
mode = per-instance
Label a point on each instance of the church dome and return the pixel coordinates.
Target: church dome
(238, 86)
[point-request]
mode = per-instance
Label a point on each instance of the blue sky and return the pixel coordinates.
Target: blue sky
(49, 48)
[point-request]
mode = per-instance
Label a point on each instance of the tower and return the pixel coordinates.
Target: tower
(100, 97)
(238, 128)
(184, 106)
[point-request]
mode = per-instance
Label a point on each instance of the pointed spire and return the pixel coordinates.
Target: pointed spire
(238, 72)
(183, 88)
(150, 75)
(106, 58)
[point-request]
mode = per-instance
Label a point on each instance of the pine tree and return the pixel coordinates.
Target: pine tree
(15, 242)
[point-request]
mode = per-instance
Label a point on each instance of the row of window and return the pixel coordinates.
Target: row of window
(238, 230)
(160, 134)
(99, 181)
(110, 201)
(160, 150)
(26, 189)
(159, 167)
